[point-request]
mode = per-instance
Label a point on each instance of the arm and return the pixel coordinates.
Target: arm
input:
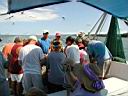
(69, 76)
(43, 60)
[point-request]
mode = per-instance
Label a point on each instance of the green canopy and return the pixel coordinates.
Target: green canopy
(117, 8)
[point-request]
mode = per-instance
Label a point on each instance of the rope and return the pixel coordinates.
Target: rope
(95, 24)
(101, 24)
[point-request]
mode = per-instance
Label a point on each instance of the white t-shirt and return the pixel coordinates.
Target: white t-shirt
(72, 52)
(30, 55)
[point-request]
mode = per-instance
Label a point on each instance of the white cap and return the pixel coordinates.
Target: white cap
(46, 32)
(33, 38)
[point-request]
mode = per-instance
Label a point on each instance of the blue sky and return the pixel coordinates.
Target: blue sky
(77, 17)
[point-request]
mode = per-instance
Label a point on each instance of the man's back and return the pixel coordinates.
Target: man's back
(56, 61)
(98, 50)
(72, 52)
(31, 56)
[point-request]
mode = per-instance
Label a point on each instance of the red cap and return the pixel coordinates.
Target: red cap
(58, 34)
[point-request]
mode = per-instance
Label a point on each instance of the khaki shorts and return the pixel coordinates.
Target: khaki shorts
(106, 68)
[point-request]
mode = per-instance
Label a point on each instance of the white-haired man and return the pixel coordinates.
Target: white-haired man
(30, 57)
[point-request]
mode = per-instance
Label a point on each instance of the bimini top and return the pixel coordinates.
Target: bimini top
(117, 8)
(21, 5)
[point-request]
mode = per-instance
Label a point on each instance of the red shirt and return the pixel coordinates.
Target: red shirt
(14, 66)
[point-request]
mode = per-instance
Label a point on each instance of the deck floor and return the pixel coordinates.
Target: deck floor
(114, 86)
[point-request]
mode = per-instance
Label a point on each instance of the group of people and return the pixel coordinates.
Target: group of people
(66, 67)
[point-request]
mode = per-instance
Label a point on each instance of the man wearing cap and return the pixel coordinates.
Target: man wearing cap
(30, 57)
(44, 42)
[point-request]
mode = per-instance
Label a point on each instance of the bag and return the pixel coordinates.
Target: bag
(97, 83)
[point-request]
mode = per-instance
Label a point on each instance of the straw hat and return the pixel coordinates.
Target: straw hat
(84, 79)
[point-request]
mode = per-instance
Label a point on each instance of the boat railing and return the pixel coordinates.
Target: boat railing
(119, 70)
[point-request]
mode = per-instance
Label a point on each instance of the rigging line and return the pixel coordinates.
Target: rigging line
(95, 25)
(100, 25)
(104, 22)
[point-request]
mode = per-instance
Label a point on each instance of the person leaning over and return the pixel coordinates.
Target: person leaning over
(84, 58)
(30, 57)
(97, 50)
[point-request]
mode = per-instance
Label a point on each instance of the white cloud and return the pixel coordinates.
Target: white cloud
(31, 15)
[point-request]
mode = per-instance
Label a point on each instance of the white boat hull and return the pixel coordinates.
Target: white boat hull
(116, 85)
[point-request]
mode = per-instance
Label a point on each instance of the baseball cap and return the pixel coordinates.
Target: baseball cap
(58, 34)
(32, 38)
(46, 32)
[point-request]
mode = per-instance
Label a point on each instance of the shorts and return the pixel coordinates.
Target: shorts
(106, 68)
(16, 77)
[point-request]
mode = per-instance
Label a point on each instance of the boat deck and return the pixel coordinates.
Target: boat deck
(113, 85)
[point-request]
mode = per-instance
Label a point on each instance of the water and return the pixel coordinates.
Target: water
(10, 38)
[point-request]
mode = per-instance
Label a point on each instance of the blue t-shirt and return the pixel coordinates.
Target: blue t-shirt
(44, 44)
(98, 50)
(56, 61)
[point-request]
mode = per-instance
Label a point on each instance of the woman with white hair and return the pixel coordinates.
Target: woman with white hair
(30, 57)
